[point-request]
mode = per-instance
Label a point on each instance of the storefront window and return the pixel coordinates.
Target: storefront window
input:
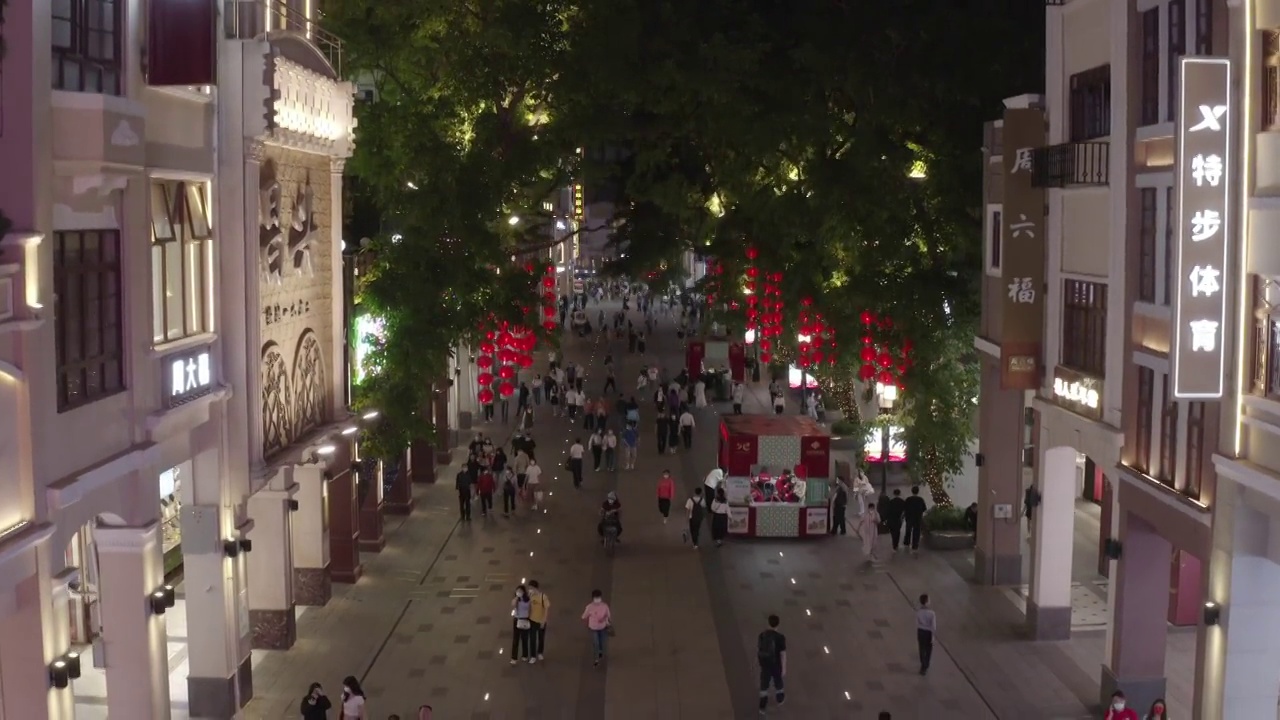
(171, 481)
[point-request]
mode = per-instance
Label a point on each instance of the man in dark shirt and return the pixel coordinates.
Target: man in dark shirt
(463, 483)
(893, 511)
(839, 505)
(772, 653)
(913, 512)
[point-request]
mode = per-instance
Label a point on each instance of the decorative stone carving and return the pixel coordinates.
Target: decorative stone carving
(310, 111)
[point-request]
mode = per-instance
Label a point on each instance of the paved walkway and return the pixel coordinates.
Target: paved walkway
(429, 622)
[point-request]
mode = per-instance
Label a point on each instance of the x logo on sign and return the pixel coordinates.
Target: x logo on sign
(1209, 117)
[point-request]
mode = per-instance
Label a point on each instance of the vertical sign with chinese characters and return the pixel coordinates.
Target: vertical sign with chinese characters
(1022, 263)
(1203, 181)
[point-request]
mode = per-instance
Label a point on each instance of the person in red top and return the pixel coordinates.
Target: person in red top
(485, 485)
(666, 491)
(1118, 710)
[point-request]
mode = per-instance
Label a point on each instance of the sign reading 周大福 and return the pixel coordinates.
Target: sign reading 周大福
(1022, 238)
(1203, 182)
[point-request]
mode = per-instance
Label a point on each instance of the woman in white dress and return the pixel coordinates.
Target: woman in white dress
(700, 394)
(869, 531)
(864, 491)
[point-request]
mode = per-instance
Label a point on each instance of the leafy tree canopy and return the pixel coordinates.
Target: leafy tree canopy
(839, 138)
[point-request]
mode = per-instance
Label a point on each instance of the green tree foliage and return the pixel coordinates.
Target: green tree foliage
(792, 126)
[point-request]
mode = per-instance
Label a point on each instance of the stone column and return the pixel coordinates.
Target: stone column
(34, 631)
(309, 529)
(270, 566)
(997, 557)
(1240, 656)
(1135, 662)
(399, 500)
(1052, 528)
(370, 498)
(422, 461)
(344, 521)
(130, 568)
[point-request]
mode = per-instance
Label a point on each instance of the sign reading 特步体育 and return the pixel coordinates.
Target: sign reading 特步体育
(1022, 238)
(1203, 180)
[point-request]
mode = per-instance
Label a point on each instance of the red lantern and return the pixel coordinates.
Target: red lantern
(549, 297)
(817, 356)
(549, 325)
(752, 313)
(867, 340)
(902, 370)
(506, 372)
(766, 344)
(806, 302)
(484, 362)
(486, 396)
(752, 273)
(528, 267)
(549, 311)
(525, 361)
(766, 357)
(548, 282)
(885, 360)
(867, 317)
(886, 377)
(490, 335)
(485, 379)
(866, 372)
(486, 348)
(551, 269)
(506, 389)
(752, 253)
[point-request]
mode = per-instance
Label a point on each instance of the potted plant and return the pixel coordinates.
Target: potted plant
(945, 529)
(847, 434)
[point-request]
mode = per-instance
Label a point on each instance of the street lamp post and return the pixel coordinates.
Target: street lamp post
(801, 341)
(886, 394)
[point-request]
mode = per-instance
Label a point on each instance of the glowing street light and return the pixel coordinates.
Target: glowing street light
(513, 220)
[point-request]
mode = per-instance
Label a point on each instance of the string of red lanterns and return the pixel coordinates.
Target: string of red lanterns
(880, 361)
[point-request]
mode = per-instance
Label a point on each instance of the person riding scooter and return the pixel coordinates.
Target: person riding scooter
(610, 512)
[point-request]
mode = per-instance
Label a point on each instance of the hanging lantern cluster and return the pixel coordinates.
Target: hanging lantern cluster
(816, 338)
(766, 312)
(882, 362)
(715, 272)
(548, 290)
(502, 353)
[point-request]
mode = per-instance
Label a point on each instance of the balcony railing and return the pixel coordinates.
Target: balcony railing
(249, 19)
(1081, 163)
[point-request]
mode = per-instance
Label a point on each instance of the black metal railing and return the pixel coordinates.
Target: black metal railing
(1080, 163)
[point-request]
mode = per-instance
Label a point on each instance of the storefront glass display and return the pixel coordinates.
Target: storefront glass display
(171, 490)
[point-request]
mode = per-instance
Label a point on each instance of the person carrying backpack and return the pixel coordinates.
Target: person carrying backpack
(696, 509)
(771, 651)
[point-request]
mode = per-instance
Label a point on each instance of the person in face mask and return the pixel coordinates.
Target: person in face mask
(1118, 710)
(521, 626)
(1157, 711)
(353, 706)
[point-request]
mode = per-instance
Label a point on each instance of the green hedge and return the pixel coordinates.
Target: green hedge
(948, 518)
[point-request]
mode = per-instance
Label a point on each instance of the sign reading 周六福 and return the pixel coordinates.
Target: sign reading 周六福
(1022, 238)
(1203, 180)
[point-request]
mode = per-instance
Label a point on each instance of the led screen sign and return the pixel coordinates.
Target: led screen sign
(1204, 212)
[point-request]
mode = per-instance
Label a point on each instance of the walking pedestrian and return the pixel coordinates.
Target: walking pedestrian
(315, 706)
(602, 414)
(599, 619)
(893, 516)
(463, 484)
(537, 389)
(839, 506)
(719, 517)
(508, 492)
(779, 404)
(576, 451)
(661, 433)
(539, 608)
(695, 510)
(610, 450)
(533, 483)
(686, 428)
(1157, 711)
(771, 652)
(700, 393)
(610, 382)
(353, 700)
(588, 414)
(913, 510)
(571, 403)
(673, 432)
(869, 531)
(713, 481)
(522, 466)
(926, 626)
(485, 485)
(738, 392)
(666, 491)
(630, 443)
(1118, 709)
(596, 443)
(520, 626)
(505, 406)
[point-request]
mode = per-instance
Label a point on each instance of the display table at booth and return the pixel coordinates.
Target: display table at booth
(778, 466)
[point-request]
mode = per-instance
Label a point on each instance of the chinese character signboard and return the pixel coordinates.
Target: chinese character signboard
(1203, 178)
(579, 203)
(1078, 392)
(187, 376)
(1022, 264)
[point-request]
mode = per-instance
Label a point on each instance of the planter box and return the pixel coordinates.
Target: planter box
(949, 540)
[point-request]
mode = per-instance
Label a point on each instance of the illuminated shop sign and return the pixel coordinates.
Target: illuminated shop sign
(1203, 178)
(188, 376)
(1078, 392)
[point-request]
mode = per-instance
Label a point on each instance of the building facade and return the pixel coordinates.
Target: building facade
(172, 349)
(1079, 334)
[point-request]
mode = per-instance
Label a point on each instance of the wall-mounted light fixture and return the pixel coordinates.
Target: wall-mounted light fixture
(1212, 613)
(979, 459)
(64, 669)
(370, 414)
(326, 450)
(231, 548)
(351, 430)
(162, 599)
(246, 545)
(293, 505)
